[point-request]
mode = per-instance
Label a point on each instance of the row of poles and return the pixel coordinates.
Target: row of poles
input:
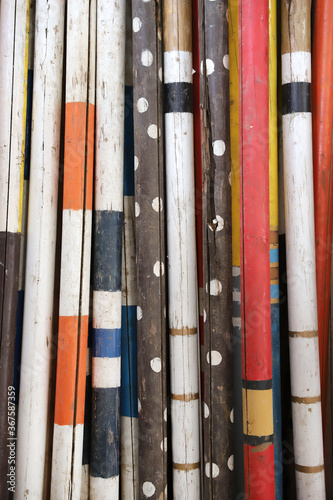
(139, 245)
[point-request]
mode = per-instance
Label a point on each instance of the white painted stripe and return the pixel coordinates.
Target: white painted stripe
(308, 438)
(236, 296)
(237, 322)
(77, 462)
(129, 453)
(106, 309)
(300, 237)
(304, 353)
(185, 430)
(181, 220)
(129, 287)
(7, 26)
(85, 296)
(61, 461)
(235, 271)
(85, 483)
(313, 485)
(33, 417)
(104, 489)
(71, 254)
(186, 484)
(110, 75)
(105, 372)
(184, 352)
(77, 46)
(177, 66)
(18, 121)
(296, 67)
(92, 55)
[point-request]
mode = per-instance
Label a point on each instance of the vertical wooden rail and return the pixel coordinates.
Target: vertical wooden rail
(255, 248)
(218, 446)
(150, 247)
(14, 33)
(181, 241)
(274, 248)
(75, 261)
(129, 380)
(108, 219)
(236, 269)
(300, 243)
(40, 261)
(322, 112)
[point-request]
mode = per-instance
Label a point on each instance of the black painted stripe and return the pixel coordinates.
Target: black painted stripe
(257, 440)
(105, 427)
(296, 98)
(178, 97)
(257, 385)
(108, 240)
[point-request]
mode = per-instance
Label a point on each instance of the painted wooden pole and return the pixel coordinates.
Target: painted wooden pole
(104, 466)
(218, 446)
(129, 381)
(184, 360)
(75, 261)
(274, 248)
(238, 441)
(150, 247)
(14, 33)
(255, 248)
(41, 238)
(300, 241)
(322, 105)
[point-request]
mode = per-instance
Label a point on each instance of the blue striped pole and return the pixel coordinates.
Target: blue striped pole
(108, 219)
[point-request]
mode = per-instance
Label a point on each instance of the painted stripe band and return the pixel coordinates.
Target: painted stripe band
(257, 385)
(185, 397)
(106, 343)
(305, 335)
(309, 470)
(183, 331)
(186, 467)
(258, 440)
(307, 400)
(296, 98)
(178, 97)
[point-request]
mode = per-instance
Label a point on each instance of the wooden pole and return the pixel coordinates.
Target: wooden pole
(300, 242)
(41, 238)
(322, 112)
(14, 33)
(236, 269)
(181, 249)
(255, 248)
(75, 260)
(104, 466)
(218, 446)
(150, 247)
(274, 248)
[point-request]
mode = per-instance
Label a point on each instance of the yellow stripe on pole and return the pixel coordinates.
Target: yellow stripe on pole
(24, 116)
(234, 130)
(259, 412)
(273, 145)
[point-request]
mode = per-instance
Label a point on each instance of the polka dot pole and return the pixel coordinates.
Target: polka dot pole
(75, 259)
(34, 414)
(150, 248)
(108, 220)
(129, 382)
(238, 441)
(300, 244)
(181, 239)
(322, 113)
(255, 250)
(218, 384)
(14, 34)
